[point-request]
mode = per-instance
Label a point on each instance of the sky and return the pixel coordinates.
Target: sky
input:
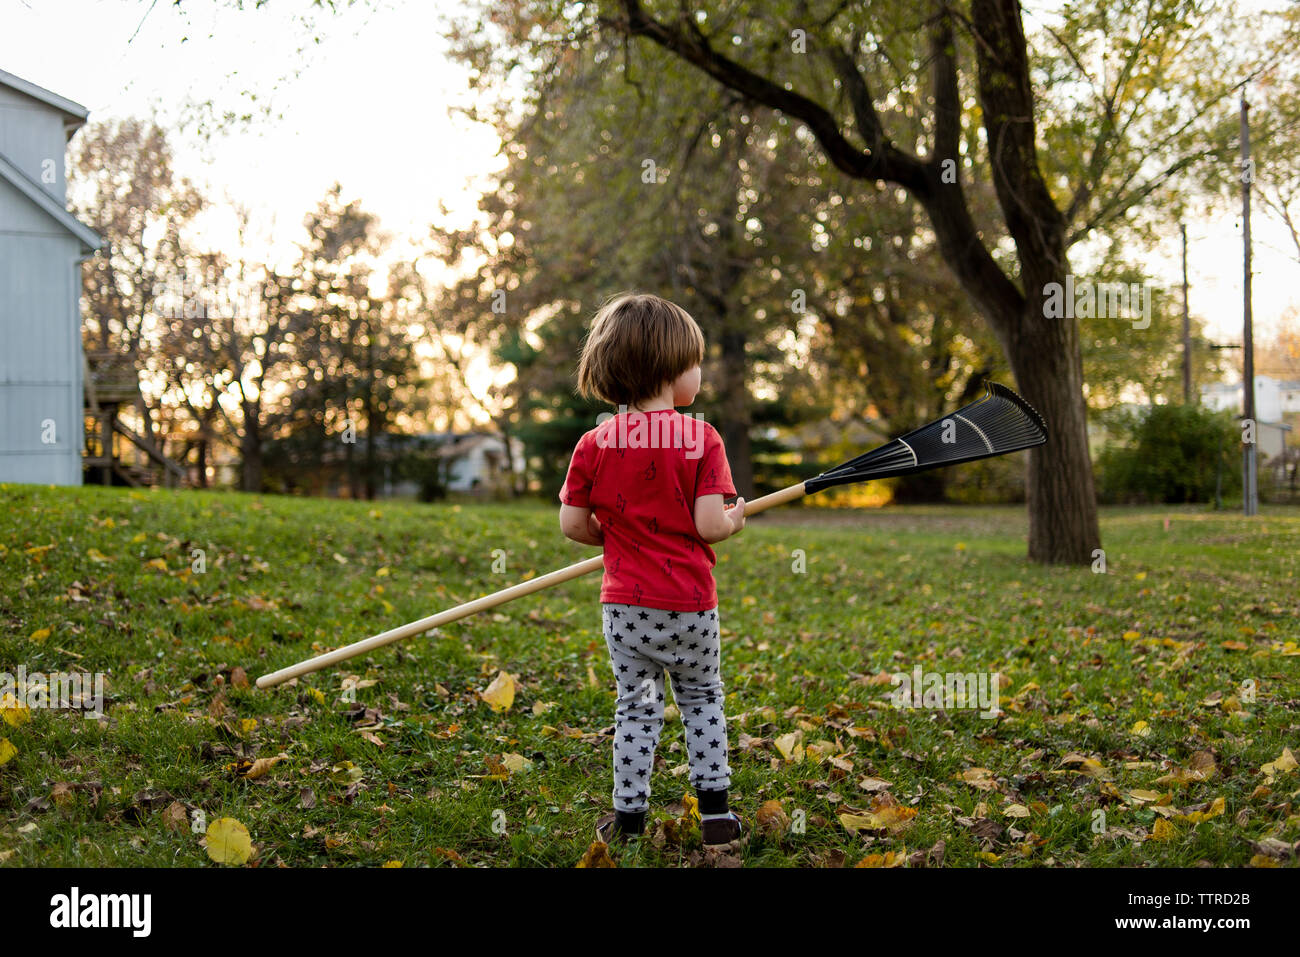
(371, 106)
(367, 106)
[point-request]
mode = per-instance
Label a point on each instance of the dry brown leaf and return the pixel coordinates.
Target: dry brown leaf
(597, 856)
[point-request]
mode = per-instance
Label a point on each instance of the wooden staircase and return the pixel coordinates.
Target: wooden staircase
(111, 380)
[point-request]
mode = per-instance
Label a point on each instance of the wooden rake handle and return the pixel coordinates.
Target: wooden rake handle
(481, 604)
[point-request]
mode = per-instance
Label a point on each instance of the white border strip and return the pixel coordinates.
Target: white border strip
(910, 449)
(978, 430)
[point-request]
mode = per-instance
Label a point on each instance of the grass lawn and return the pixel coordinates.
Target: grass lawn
(1143, 711)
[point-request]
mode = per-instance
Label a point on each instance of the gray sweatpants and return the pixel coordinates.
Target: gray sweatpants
(643, 642)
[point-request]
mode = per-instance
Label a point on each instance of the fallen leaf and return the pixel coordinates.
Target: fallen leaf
(888, 859)
(500, 694)
(263, 765)
(1162, 830)
(13, 711)
(597, 856)
(1200, 767)
(771, 819)
(175, 817)
(981, 778)
(228, 841)
(1217, 807)
(1284, 764)
(893, 817)
(791, 746)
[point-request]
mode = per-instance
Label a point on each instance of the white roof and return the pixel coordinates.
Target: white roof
(33, 191)
(74, 113)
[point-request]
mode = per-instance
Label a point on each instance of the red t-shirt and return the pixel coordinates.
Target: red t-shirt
(641, 477)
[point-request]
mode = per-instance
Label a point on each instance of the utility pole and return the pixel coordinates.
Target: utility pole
(1187, 327)
(1250, 489)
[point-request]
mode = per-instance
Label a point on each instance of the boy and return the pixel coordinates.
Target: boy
(648, 486)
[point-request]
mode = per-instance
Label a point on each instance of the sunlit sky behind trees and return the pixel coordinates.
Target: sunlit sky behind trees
(367, 96)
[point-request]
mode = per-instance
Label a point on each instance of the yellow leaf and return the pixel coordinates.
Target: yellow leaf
(1089, 766)
(1216, 808)
(340, 559)
(895, 817)
(228, 841)
(1130, 635)
(597, 856)
(1162, 830)
(317, 694)
(157, 563)
(13, 711)
(7, 750)
(345, 772)
(515, 762)
(500, 694)
(791, 746)
(1015, 810)
(39, 635)
(263, 765)
(981, 778)
(1141, 729)
(1139, 794)
(391, 864)
(1285, 763)
(139, 538)
(95, 555)
(382, 573)
(692, 806)
(888, 859)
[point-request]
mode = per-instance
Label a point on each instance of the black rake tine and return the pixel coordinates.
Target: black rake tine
(1024, 429)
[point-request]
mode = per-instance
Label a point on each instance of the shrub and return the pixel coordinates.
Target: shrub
(1170, 453)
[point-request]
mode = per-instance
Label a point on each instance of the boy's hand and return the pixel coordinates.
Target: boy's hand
(735, 512)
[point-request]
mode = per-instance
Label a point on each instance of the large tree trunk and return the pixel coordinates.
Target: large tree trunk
(1044, 354)
(737, 416)
(250, 447)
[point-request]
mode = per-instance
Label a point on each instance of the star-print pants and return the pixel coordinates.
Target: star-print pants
(642, 643)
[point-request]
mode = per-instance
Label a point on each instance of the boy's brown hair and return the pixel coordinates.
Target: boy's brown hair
(637, 343)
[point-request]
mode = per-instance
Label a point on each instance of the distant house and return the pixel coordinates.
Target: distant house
(42, 247)
(1274, 400)
(471, 463)
(424, 464)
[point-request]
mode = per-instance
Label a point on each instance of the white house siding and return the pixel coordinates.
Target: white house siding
(40, 293)
(40, 358)
(31, 133)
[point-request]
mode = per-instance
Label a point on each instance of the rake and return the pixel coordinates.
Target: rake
(997, 423)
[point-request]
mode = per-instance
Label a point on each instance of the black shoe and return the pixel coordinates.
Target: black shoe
(722, 830)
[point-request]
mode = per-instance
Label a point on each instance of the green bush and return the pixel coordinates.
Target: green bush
(1170, 453)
